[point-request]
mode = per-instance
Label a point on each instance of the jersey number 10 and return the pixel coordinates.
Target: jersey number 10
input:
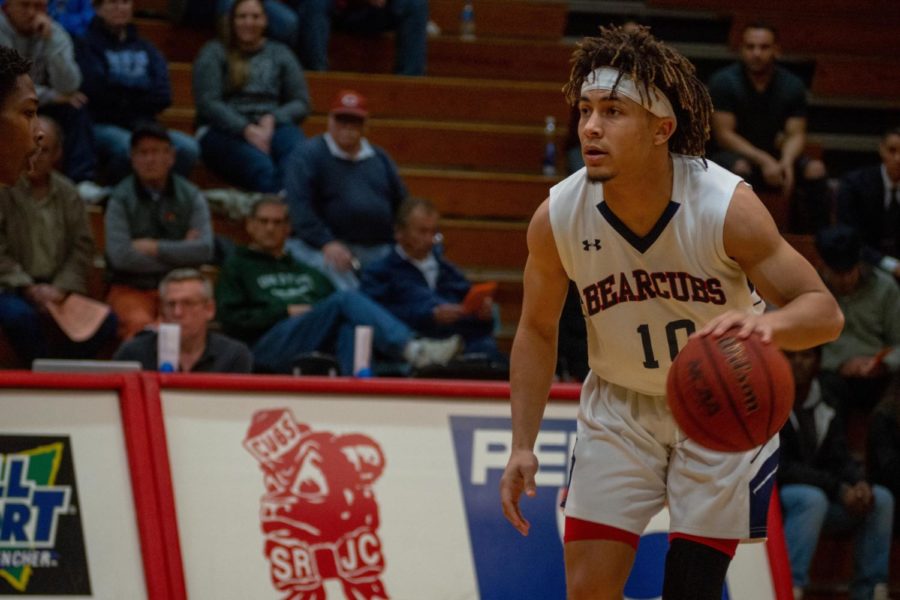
(672, 328)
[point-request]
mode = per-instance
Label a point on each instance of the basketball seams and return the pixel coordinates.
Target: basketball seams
(763, 362)
(773, 364)
(714, 364)
(695, 422)
(687, 397)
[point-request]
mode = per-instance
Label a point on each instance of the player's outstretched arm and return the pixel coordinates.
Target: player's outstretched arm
(533, 361)
(808, 315)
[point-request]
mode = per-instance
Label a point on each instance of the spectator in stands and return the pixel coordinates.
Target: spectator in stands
(869, 201)
(409, 18)
(822, 487)
(858, 367)
(186, 297)
(251, 98)
(883, 448)
(759, 128)
(343, 193)
(282, 20)
(285, 308)
(26, 26)
(156, 221)
(423, 289)
(20, 132)
(572, 144)
(46, 250)
(126, 80)
(73, 15)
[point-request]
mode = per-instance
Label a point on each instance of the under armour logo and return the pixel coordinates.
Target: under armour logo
(589, 244)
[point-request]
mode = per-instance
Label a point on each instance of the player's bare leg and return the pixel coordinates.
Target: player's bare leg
(597, 569)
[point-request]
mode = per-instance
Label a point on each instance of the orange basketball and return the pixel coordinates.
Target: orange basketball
(730, 394)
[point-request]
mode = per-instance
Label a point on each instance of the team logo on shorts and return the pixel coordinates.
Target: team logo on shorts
(41, 539)
(319, 515)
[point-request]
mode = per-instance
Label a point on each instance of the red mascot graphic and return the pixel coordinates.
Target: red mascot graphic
(319, 513)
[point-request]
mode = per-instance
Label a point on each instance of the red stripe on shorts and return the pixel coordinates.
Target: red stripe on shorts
(580, 530)
(725, 546)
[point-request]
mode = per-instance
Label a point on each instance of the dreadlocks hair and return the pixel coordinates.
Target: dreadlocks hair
(12, 66)
(649, 62)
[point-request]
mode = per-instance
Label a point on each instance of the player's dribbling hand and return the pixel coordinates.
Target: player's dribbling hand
(518, 477)
(747, 323)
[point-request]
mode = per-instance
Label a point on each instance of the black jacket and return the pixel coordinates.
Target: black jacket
(860, 204)
(830, 465)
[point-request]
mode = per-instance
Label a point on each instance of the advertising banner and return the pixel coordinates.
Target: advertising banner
(68, 523)
(362, 494)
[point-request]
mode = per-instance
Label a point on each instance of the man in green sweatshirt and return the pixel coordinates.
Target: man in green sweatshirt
(284, 308)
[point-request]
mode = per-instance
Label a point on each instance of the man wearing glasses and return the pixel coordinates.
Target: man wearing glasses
(186, 298)
(285, 309)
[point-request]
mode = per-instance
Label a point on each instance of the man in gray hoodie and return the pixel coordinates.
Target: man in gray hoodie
(26, 27)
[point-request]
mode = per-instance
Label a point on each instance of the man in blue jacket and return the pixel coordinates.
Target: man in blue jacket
(285, 309)
(126, 79)
(424, 290)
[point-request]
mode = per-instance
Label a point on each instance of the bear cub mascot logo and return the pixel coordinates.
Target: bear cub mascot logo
(319, 514)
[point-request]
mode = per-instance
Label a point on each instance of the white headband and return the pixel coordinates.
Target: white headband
(605, 78)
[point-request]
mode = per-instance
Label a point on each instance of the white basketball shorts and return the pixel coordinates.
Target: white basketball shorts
(630, 459)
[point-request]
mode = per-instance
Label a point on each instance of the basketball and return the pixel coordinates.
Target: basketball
(730, 394)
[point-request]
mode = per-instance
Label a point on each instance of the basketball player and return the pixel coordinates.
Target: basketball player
(661, 244)
(20, 133)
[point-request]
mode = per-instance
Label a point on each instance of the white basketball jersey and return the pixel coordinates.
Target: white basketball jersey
(642, 296)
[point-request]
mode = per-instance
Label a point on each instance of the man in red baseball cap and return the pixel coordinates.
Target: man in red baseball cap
(349, 102)
(343, 193)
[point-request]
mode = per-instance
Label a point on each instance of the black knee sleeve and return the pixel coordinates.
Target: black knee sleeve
(694, 571)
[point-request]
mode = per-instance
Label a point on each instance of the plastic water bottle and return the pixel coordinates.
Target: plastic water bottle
(467, 22)
(549, 163)
(362, 350)
(168, 347)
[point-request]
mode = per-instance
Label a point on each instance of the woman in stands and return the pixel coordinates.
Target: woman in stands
(251, 98)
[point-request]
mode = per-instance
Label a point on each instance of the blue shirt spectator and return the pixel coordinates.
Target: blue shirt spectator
(126, 80)
(343, 193)
(423, 289)
(73, 15)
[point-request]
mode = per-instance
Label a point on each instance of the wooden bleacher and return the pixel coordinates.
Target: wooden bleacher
(473, 145)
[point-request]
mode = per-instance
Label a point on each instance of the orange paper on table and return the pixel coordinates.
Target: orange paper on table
(78, 316)
(474, 300)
